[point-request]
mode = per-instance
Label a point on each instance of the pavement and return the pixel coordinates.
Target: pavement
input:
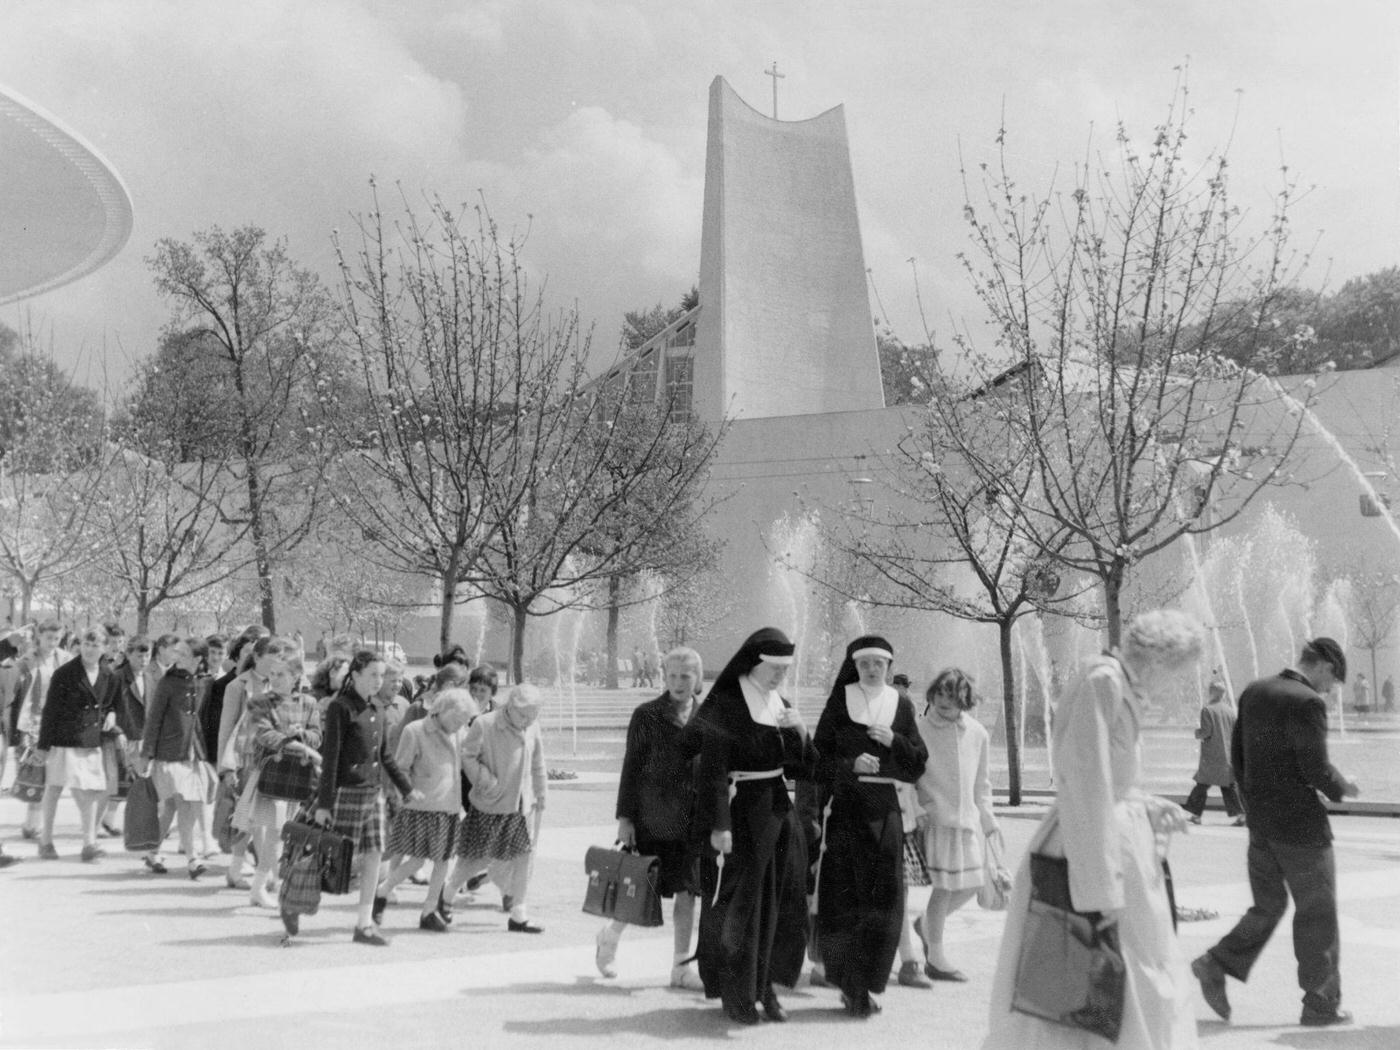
(108, 955)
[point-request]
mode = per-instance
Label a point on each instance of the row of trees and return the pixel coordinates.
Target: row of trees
(433, 429)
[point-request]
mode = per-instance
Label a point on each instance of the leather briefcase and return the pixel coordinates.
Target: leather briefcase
(335, 852)
(622, 886)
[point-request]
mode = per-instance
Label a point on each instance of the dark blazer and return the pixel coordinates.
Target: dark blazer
(75, 708)
(172, 722)
(1279, 754)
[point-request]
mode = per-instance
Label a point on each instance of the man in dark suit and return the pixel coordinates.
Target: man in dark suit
(1279, 754)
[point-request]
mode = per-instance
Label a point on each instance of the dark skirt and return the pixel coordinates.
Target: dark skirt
(753, 932)
(860, 896)
(494, 836)
(680, 866)
(359, 816)
(423, 833)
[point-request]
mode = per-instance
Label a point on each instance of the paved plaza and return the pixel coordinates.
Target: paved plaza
(107, 955)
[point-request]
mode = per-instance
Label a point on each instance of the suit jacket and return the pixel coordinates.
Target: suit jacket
(76, 708)
(1279, 754)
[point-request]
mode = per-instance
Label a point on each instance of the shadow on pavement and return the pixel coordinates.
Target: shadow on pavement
(1349, 1037)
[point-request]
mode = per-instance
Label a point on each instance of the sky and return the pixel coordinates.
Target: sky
(585, 121)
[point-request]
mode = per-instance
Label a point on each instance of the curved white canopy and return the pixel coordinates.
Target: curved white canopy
(63, 210)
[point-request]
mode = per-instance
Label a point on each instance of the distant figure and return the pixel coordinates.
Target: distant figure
(1217, 725)
(1361, 693)
(1388, 694)
(639, 669)
(1279, 751)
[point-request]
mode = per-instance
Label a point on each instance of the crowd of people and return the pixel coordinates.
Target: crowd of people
(778, 844)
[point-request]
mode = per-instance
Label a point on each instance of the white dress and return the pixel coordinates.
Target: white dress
(1105, 831)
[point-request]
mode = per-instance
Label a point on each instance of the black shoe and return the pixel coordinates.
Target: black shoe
(476, 880)
(444, 909)
(857, 1005)
(772, 1009)
(291, 921)
(369, 935)
(432, 921)
(6, 860)
(376, 912)
(1212, 978)
(741, 1013)
(1323, 1018)
(524, 926)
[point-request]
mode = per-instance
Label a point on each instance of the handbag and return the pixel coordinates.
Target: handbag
(225, 802)
(916, 871)
(622, 886)
(288, 776)
(141, 822)
(1070, 970)
(996, 880)
(30, 777)
(334, 852)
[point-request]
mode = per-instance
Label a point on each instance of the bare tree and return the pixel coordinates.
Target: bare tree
(258, 325)
(1374, 612)
(1105, 303)
(948, 535)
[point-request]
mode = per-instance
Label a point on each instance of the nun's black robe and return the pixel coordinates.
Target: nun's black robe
(755, 934)
(860, 889)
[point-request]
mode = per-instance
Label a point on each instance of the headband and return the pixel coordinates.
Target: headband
(872, 650)
(781, 661)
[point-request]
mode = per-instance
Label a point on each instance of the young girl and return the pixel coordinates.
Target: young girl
(503, 758)
(353, 753)
(430, 755)
(283, 721)
(173, 748)
(956, 794)
(255, 666)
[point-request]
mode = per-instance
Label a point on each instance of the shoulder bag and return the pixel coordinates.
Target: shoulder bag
(1070, 969)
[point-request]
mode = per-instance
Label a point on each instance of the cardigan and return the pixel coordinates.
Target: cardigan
(432, 761)
(504, 764)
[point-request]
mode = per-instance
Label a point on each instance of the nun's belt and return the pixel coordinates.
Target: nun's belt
(878, 780)
(737, 776)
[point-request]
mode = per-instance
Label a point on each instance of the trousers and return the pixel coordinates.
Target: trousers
(1309, 873)
(1196, 801)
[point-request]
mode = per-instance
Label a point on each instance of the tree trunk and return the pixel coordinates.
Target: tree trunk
(614, 616)
(1112, 603)
(261, 557)
(517, 642)
(449, 600)
(26, 600)
(1011, 717)
(143, 616)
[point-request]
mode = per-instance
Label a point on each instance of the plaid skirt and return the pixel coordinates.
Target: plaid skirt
(915, 870)
(423, 833)
(495, 836)
(359, 816)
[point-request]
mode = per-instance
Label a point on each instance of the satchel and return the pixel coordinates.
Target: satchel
(29, 778)
(996, 880)
(300, 872)
(622, 886)
(334, 852)
(1070, 970)
(141, 822)
(288, 776)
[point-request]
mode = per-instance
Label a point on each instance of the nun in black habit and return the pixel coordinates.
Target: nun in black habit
(753, 870)
(867, 740)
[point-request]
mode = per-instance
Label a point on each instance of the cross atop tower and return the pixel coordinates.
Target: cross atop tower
(776, 77)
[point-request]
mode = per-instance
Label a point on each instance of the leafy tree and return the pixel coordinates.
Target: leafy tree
(256, 326)
(1104, 303)
(1374, 613)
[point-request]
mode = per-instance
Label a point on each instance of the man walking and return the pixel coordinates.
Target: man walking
(1279, 752)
